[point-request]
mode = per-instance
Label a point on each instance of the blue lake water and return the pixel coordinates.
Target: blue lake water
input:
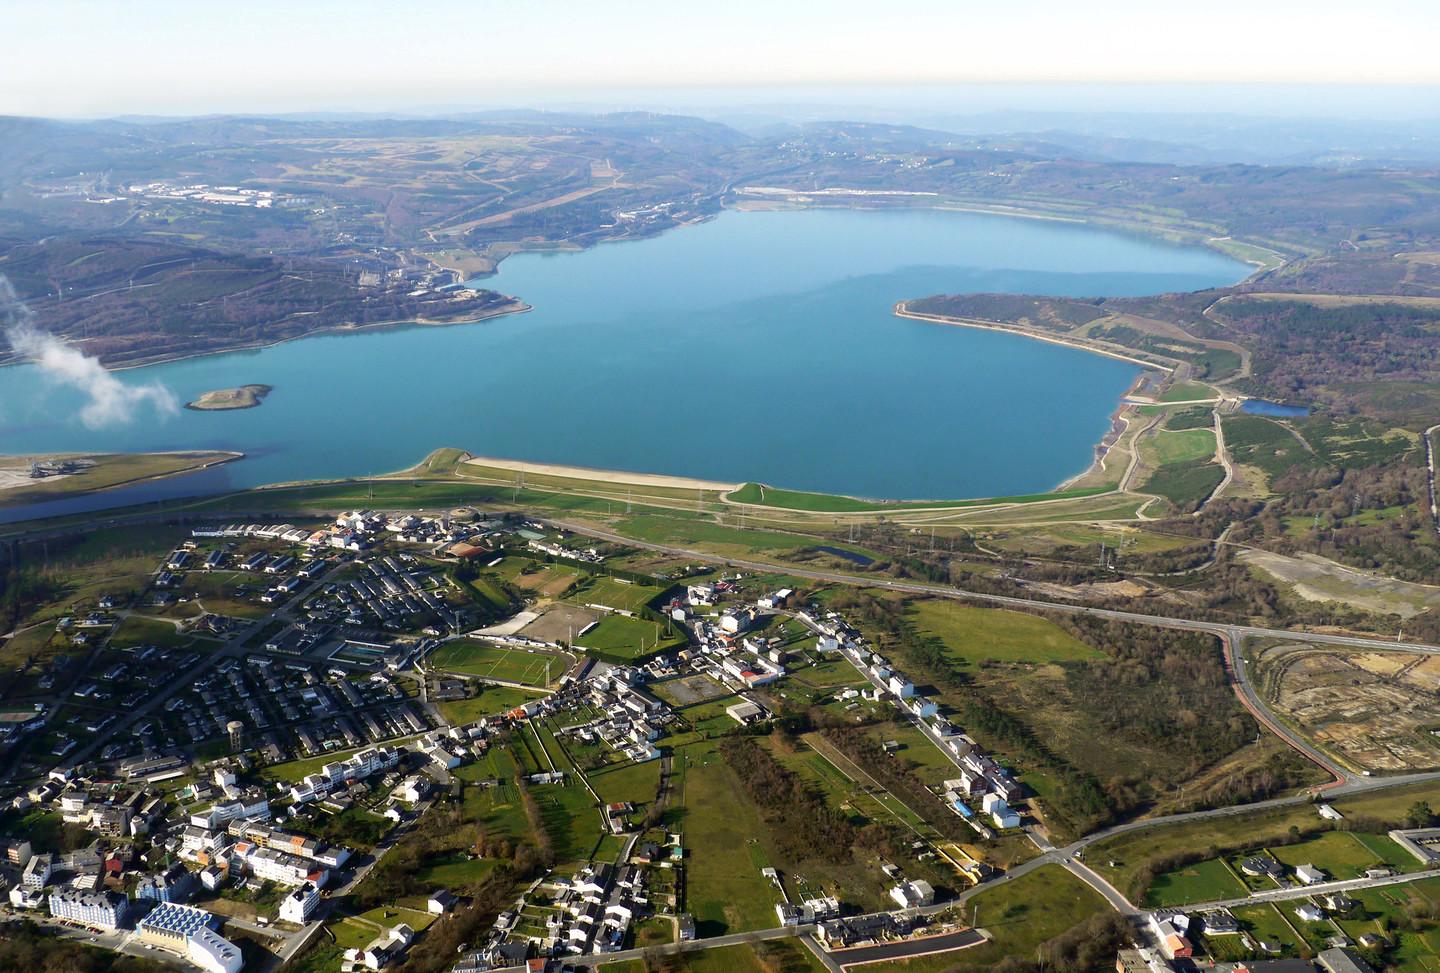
(1260, 407)
(756, 346)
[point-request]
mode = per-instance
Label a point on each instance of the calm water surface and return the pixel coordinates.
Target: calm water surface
(757, 346)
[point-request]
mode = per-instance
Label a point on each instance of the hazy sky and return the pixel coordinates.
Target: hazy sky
(96, 57)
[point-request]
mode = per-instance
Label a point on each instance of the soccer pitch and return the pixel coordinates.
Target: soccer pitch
(514, 664)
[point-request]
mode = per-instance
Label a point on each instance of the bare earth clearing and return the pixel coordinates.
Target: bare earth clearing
(1375, 710)
(1314, 578)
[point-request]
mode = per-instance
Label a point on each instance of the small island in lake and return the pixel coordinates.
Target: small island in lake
(244, 397)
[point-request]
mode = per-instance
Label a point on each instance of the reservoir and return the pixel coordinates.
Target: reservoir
(755, 346)
(1260, 407)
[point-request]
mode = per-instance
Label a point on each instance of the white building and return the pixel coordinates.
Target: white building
(412, 789)
(910, 894)
(214, 953)
(23, 898)
(278, 866)
(297, 906)
(251, 804)
(99, 910)
(901, 686)
(37, 871)
(1000, 811)
(1309, 874)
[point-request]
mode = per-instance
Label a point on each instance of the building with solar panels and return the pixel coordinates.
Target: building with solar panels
(190, 932)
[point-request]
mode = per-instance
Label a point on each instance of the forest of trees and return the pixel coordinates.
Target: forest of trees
(1301, 344)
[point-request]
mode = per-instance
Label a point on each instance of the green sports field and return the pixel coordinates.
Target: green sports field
(506, 663)
(616, 594)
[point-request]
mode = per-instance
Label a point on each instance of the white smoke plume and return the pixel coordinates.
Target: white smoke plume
(109, 401)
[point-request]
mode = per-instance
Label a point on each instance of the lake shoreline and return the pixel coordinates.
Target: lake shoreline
(221, 458)
(516, 307)
(1117, 425)
(589, 380)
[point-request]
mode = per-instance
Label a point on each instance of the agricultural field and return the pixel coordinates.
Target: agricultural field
(503, 663)
(724, 888)
(1374, 710)
(974, 635)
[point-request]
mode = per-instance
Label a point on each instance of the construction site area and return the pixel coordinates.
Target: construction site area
(1377, 711)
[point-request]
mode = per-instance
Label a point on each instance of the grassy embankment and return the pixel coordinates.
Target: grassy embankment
(109, 470)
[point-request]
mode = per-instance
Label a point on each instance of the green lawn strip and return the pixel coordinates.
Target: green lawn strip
(760, 495)
(1202, 882)
(616, 594)
(1265, 923)
(1183, 391)
(628, 638)
(1342, 854)
(633, 782)
(135, 630)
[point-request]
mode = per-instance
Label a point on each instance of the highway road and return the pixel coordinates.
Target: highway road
(1011, 601)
